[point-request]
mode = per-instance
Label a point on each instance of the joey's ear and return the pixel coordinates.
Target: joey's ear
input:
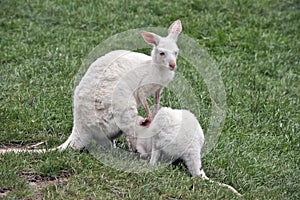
(175, 29)
(151, 38)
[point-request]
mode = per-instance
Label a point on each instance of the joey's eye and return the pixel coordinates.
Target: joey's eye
(162, 53)
(176, 53)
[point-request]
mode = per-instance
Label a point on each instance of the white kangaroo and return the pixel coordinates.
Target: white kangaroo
(173, 134)
(116, 84)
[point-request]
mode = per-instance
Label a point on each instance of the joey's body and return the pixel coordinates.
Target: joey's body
(174, 134)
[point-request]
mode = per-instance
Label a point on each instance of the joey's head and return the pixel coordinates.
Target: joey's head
(165, 50)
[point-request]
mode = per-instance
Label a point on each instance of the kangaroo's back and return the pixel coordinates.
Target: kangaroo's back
(106, 99)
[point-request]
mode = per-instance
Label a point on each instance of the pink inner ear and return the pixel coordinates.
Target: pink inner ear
(149, 37)
(175, 27)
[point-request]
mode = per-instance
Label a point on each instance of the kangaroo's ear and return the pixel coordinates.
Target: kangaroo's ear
(175, 29)
(151, 38)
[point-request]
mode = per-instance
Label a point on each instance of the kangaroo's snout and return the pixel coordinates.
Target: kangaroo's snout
(172, 65)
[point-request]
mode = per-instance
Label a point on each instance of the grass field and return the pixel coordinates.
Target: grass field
(255, 45)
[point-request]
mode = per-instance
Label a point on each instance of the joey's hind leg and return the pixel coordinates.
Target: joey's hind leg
(203, 175)
(193, 163)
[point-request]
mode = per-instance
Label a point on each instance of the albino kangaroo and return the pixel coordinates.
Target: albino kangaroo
(116, 84)
(173, 134)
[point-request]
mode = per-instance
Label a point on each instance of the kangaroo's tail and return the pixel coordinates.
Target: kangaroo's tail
(30, 149)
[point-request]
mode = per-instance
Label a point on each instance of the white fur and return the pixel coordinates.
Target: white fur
(107, 98)
(175, 134)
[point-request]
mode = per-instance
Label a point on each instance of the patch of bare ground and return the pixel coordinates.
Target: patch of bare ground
(4, 192)
(37, 182)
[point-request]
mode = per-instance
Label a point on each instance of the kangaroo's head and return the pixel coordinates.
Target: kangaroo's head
(165, 50)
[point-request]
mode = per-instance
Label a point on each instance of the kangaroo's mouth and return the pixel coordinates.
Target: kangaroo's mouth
(172, 68)
(172, 65)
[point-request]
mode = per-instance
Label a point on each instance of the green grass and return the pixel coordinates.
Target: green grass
(255, 45)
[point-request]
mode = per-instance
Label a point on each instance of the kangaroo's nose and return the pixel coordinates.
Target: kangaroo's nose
(172, 65)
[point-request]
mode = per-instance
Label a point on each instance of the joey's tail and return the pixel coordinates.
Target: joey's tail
(204, 177)
(227, 186)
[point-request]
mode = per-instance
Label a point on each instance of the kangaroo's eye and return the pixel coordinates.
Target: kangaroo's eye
(176, 53)
(162, 53)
